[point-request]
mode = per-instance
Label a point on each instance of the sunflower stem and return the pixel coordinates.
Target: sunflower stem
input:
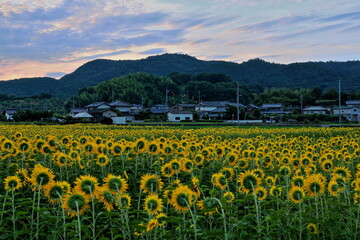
(3, 207)
(357, 221)
(224, 218)
(78, 219)
(13, 212)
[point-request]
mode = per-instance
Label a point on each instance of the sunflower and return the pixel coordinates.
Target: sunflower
(312, 228)
(61, 159)
(270, 181)
(243, 163)
(356, 184)
(41, 176)
(229, 196)
(219, 180)
(334, 188)
(187, 165)
(314, 185)
(123, 201)
(12, 183)
(340, 180)
(107, 198)
(7, 144)
(297, 181)
(208, 205)
(74, 202)
(22, 173)
(296, 194)
(54, 191)
(285, 170)
(102, 160)
(342, 171)
(175, 165)
(153, 223)
(199, 159)
(116, 149)
(115, 184)
(248, 181)
(275, 191)
(151, 183)
(161, 217)
(153, 148)
(140, 145)
(182, 198)
(229, 173)
(88, 185)
(153, 204)
(166, 170)
(260, 193)
(327, 165)
(232, 158)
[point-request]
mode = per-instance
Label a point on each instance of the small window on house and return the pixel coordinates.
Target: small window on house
(187, 118)
(177, 118)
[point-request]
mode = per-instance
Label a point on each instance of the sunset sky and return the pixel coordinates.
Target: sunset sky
(54, 37)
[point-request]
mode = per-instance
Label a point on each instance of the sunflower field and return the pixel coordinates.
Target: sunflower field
(129, 182)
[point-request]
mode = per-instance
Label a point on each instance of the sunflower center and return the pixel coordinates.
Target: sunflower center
(56, 191)
(297, 195)
(76, 201)
(115, 184)
(42, 178)
(88, 186)
(12, 183)
(315, 187)
(182, 200)
(249, 181)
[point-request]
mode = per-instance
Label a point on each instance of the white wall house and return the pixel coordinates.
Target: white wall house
(352, 114)
(177, 116)
(315, 110)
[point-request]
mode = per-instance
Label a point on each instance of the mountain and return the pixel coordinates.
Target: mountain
(256, 71)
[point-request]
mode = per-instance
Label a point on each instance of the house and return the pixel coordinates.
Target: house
(272, 109)
(353, 103)
(100, 114)
(9, 113)
(159, 109)
(121, 106)
(83, 115)
(75, 111)
(210, 106)
(97, 105)
(352, 114)
(184, 107)
(315, 110)
(177, 116)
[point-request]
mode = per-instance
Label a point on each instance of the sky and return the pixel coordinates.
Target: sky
(54, 37)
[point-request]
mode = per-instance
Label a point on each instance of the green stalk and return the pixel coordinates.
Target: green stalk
(224, 219)
(357, 221)
(78, 219)
(3, 207)
(13, 212)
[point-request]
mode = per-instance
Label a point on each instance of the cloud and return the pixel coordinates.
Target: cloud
(270, 24)
(220, 56)
(153, 51)
(271, 56)
(306, 32)
(55, 74)
(343, 16)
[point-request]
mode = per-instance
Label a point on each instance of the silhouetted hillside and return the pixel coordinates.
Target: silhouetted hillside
(254, 72)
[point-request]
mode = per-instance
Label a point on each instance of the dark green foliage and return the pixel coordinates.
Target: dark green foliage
(257, 73)
(22, 116)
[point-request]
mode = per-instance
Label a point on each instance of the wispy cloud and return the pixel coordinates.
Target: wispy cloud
(153, 51)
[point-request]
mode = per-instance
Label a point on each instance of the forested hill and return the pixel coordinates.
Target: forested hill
(257, 71)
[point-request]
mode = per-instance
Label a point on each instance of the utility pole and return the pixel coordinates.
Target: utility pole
(237, 102)
(301, 102)
(112, 96)
(340, 102)
(199, 96)
(73, 101)
(166, 97)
